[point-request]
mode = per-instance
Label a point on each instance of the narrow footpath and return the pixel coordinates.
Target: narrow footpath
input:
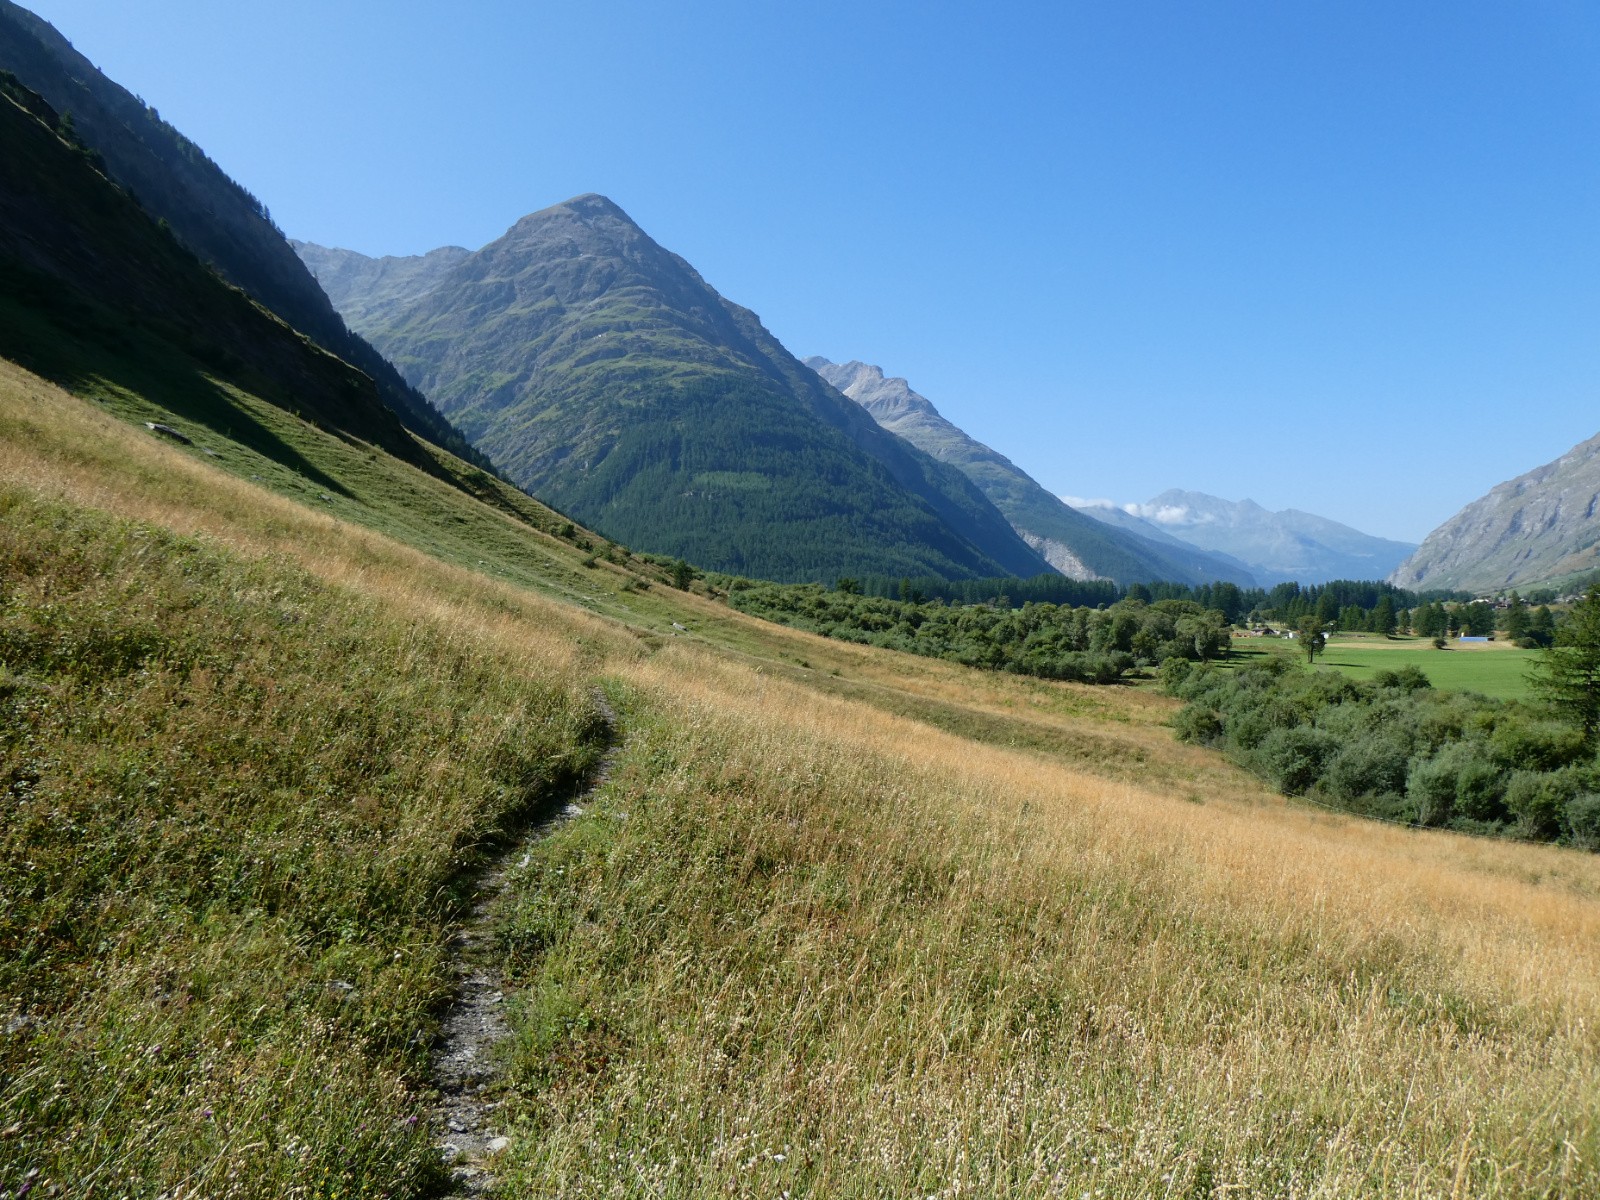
(464, 1054)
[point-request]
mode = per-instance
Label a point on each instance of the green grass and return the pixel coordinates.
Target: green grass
(1498, 672)
(238, 803)
(797, 943)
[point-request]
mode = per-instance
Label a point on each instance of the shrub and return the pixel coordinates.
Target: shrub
(1538, 801)
(1581, 821)
(1406, 679)
(1372, 766)
(1431, 789)
(1479, 788)
(1293, 758)
(1536, 745)
(1197, 724)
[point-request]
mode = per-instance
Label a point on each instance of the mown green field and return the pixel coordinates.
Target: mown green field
(1494, 670)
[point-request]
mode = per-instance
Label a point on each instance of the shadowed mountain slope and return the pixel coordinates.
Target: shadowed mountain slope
(1075, 544)
(1537, 528)
(221, 222)
(607, 377)
(94, 292)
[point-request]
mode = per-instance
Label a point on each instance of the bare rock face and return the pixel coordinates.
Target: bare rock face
(1537, 528)
(1060, 556)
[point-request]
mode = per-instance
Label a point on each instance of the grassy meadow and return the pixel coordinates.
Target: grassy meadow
(1493, 668)
(841, 923)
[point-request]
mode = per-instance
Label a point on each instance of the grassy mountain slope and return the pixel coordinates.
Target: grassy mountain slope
(841, 923)
(1075, 544)
(212, 215)
(1540, 527)
(608, 378)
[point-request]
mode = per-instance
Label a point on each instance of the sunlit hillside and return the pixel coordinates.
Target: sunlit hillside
(838, 923)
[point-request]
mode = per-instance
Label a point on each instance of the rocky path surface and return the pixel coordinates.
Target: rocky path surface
(463, 1061)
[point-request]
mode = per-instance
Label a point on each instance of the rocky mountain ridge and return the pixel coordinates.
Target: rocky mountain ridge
(1541, 527)
(1074, 544)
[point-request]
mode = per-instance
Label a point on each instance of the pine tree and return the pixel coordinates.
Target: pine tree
(1383, 619)
(1516, 619)
(1568, 674)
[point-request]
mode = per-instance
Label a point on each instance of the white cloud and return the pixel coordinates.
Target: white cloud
(1167, 514)
(1159, 514)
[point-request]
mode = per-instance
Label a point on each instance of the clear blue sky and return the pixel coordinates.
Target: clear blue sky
(1337, 256)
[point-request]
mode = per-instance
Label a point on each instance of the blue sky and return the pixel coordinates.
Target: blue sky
(1336, 256)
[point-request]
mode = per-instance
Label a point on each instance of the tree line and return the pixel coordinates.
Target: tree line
(1338, 602)
(1049, 641)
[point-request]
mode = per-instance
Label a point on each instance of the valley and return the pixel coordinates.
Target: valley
(496, 722)
(962, 927)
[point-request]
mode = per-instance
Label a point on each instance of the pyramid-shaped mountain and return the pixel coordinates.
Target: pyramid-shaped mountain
(610, 380)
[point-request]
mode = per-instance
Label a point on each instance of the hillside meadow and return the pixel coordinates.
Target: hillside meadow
(839, 923)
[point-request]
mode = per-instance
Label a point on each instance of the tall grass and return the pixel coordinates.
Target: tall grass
(238, 800)
(803, 949)
(804, 941)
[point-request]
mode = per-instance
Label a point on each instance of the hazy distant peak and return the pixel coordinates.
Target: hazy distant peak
(1276, 546)
(1074, 544)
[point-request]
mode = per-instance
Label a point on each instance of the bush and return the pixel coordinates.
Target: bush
(1198, 725)
(1479, 788)
(1581, 821)
(1373, 766)
(1406, 679)
(1538, 801)
(1536, 745)
(1293, 758)
(1431, 789)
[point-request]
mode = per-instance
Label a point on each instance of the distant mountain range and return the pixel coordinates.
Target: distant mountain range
(610, 380)
(1541, 527)
(1275, 547)
(1074, 544)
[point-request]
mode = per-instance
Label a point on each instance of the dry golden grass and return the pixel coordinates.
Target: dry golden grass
(912, 965)
(808, 943)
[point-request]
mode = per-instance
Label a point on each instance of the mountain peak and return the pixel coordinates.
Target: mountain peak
(591, 208)
(1537, 528)
(593, 204)
(1276, 546)
(888, 398)
(608, 377)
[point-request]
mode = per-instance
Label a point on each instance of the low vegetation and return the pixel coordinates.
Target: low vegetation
(1084, 644)
(842, 922)
(1395, 747)
(236, 804)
